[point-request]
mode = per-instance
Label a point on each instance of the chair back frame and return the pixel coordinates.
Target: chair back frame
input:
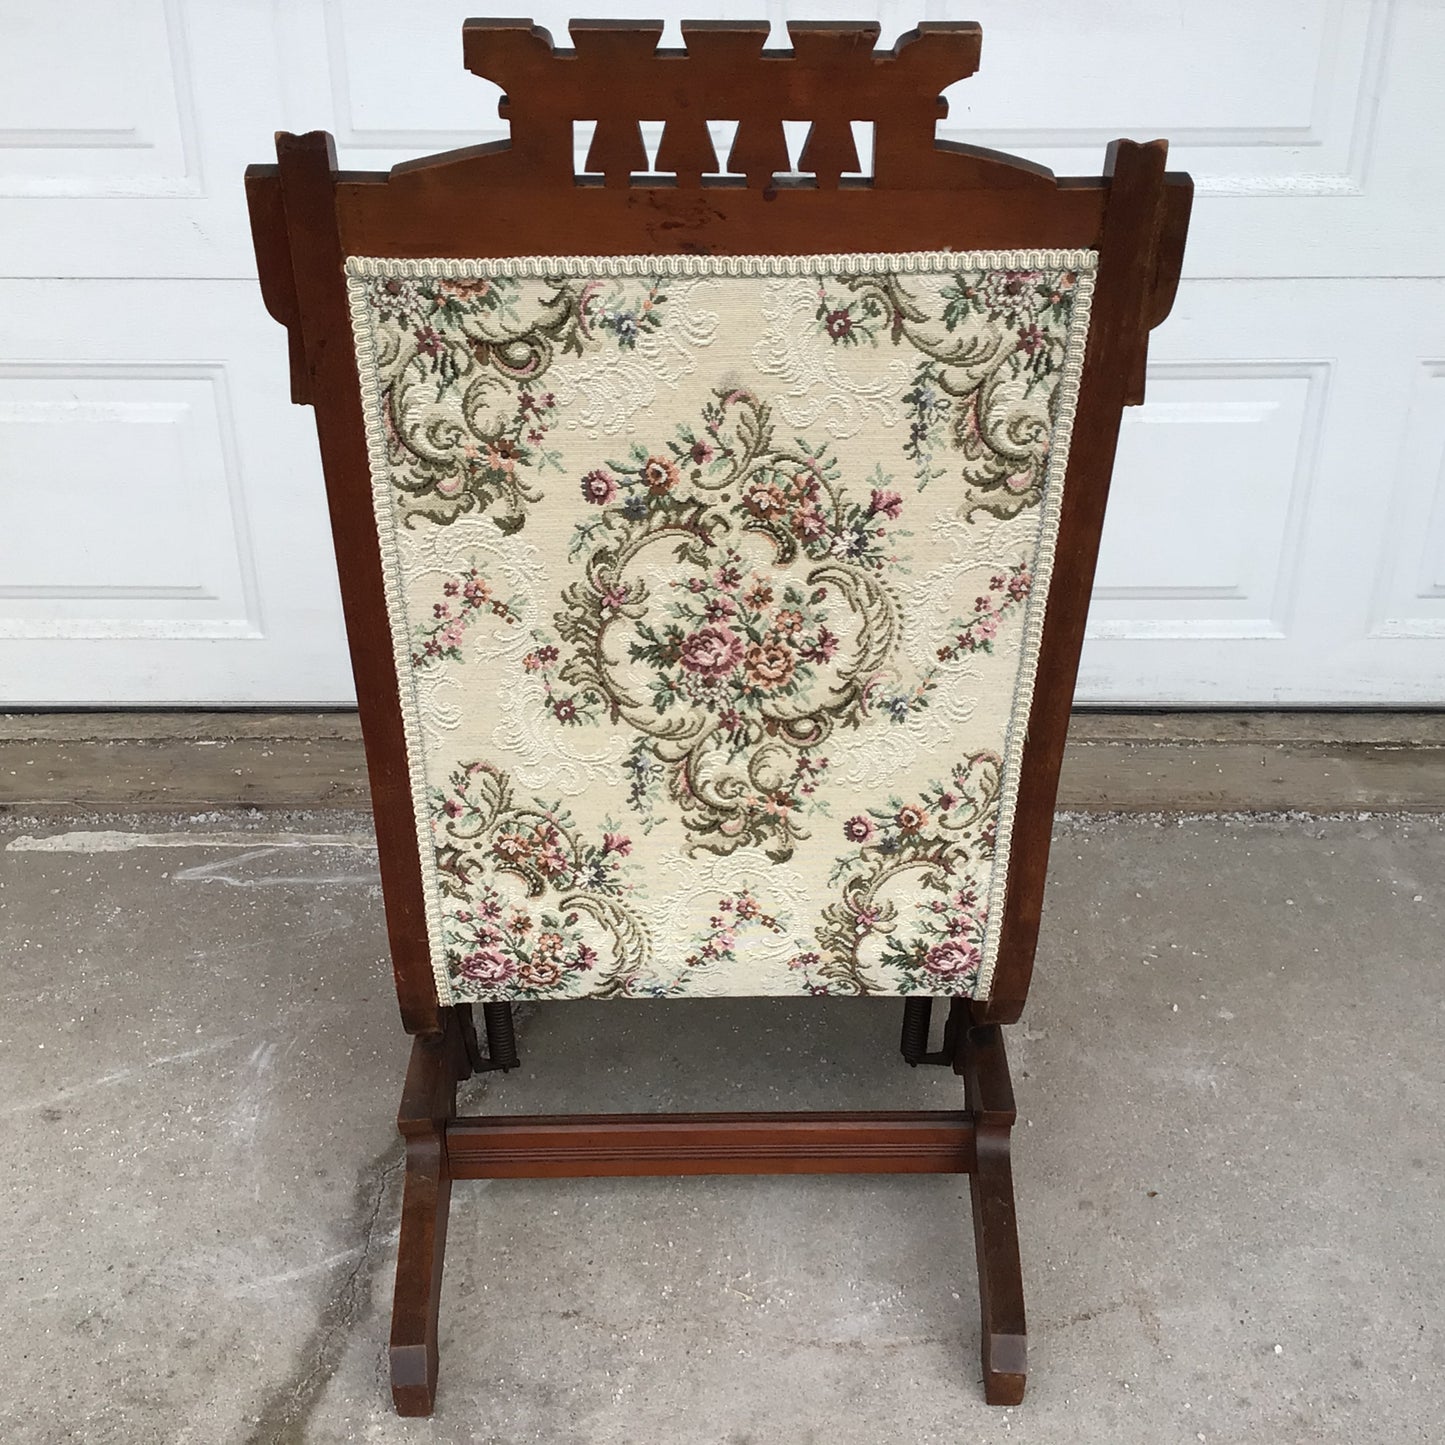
(521, 197)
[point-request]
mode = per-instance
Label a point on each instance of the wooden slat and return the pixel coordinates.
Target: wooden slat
(551, 1146)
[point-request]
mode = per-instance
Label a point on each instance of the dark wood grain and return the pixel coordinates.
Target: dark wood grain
(1003, 1333)
(521, 1147)
(429, 1099)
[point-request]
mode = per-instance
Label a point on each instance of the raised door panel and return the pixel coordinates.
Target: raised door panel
(165, 535)
(1276, 531)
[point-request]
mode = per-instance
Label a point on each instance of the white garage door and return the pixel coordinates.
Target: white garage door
(1277, 533)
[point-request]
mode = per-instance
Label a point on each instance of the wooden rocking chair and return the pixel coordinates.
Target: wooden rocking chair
(715, 548)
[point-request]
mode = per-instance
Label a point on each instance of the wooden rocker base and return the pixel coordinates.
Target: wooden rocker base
(442, 1146)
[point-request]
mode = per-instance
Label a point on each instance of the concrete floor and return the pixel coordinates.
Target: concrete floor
(1230, 1165)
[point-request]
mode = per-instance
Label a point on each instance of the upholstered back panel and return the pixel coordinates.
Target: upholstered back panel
(716, 586)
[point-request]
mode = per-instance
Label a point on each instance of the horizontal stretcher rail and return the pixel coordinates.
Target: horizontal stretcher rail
(573, 1145)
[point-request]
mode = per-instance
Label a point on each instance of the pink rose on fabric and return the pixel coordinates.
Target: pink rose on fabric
(888, 504)
(487, 966)
(599, 487)
(765, 499)
(511, 847)
(858, 829)
(660, 475)
(770, 663)
(550, 857)
(712, 652)
(911, 819)
(811, 522)
(951, 957)
(618, 843)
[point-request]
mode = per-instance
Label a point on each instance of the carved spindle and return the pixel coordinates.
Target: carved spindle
(724, 55)
(724, 49)
(829, 151)
(830, 47)
(760, 150)
(622, 50)
(842, 56)
(617, 150)
(687, 149)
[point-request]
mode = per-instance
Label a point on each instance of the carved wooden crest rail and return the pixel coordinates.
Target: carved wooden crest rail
(834, 75)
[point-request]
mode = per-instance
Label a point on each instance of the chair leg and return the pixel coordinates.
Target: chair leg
(1000, 1277)
(415, 1307)
(995, 1223)
(428, 1101)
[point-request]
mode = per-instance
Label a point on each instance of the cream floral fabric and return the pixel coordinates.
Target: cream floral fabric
(716, 587)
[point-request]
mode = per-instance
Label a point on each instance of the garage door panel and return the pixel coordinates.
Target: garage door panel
(134, 464)
(1410, 596)
(1277, 529)
(1211, 479)
(165, 533)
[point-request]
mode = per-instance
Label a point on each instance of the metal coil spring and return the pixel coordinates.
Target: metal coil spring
(501, 1035)
(917, 1014)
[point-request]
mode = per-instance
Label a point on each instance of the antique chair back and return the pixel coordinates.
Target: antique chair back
(715, 547)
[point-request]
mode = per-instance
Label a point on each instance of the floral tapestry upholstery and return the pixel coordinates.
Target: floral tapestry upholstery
(716, 588)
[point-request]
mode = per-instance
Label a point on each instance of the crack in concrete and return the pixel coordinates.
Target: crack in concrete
(287, 1412)
(284, 1417)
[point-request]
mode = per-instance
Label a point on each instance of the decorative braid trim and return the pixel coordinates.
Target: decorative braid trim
(904, 262)
(361, 268)
(1067, 401)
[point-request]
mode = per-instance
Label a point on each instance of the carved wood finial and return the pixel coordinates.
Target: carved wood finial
(617, 77)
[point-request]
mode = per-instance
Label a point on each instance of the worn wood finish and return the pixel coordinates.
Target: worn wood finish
(442, 1147)
(429, 1100)
(592, 1145)
(520, 197)
(988, 1091)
